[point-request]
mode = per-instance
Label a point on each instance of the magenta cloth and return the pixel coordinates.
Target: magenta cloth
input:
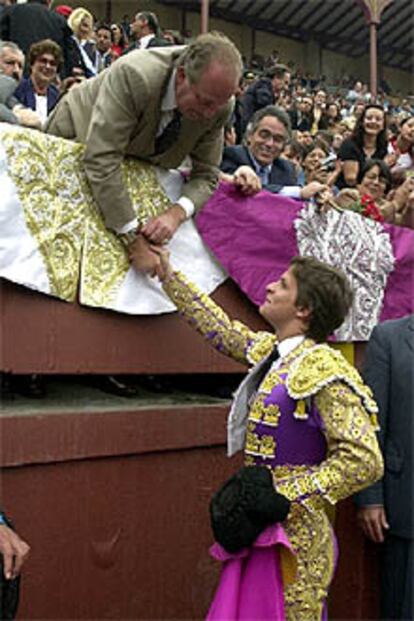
(254, 239)
(399, 293)
(251, 586)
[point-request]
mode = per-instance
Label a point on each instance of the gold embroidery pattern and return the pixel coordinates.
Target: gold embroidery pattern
(147, 196)
(228, 337)
(257, 410)
(271, 415)
(261, 347)
(260, 412)
(270, 382)
(300, 411)
(321, 365)
(105, 262)
(51, 189)
(62, 217)
(354, 459)
(264, 446)
(312, 539)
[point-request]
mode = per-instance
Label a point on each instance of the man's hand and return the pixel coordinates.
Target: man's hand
(159, 230)
(373, 521)
(312, 188)
(346, 197)
(142, 256)
(164, 270)
(247, 181)
(14, 551)
(27, 117)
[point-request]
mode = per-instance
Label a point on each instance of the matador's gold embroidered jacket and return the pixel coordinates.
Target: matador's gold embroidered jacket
(312, 421)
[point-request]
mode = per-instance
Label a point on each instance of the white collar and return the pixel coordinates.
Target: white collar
(143, 42)
(169, 101)
(288, 345)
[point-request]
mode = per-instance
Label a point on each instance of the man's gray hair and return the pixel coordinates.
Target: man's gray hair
(206, 48)
(10, 45)
(277, 113)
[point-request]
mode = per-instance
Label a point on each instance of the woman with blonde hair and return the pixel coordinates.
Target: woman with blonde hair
(82, 51)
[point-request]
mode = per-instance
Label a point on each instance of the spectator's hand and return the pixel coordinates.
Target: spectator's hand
(164, 272)
(160, 230)
(14, 551)
(373, 521)
(346, 197)
(142, 257)
(312, 188)
(323, 199)
(27, 117)
(70, 82)
(247, 181)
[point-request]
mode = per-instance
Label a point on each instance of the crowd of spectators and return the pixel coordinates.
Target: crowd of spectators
(316, 142)
(290, 133)
(342, 125)
(45, 52)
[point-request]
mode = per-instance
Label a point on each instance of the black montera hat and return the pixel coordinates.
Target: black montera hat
(244, 506)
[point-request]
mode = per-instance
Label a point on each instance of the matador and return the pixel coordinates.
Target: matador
(307, 416)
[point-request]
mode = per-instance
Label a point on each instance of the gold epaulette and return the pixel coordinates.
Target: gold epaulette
(261, 347)
(322, 365)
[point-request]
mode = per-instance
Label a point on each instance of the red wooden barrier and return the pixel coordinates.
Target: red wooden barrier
(114, 501)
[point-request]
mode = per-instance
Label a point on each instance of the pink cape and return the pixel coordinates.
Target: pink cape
(251, 586)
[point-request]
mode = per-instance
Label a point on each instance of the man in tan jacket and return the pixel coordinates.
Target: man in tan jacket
(158, 105)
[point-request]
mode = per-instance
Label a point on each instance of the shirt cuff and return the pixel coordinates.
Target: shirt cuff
(291, 191)
(187, 204)
(129, 226)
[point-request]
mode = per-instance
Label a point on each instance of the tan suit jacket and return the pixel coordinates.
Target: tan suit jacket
(117, 114)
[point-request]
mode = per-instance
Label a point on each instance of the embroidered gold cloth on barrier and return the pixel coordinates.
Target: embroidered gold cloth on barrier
(45, 191)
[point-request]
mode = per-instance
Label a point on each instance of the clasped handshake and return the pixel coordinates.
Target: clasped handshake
(147, 252)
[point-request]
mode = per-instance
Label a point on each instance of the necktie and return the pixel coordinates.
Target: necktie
(266, 367)
(263, 176)
(170, 134)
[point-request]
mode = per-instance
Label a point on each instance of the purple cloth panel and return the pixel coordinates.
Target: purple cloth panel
(251, 586)
(252, 237)
(399, 292)
(298, 442)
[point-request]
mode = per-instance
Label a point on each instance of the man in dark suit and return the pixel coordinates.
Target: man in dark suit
(259, 164)
(301, 114)
(386, 508)
(28, 23)
(147, 32)
(265, 91)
